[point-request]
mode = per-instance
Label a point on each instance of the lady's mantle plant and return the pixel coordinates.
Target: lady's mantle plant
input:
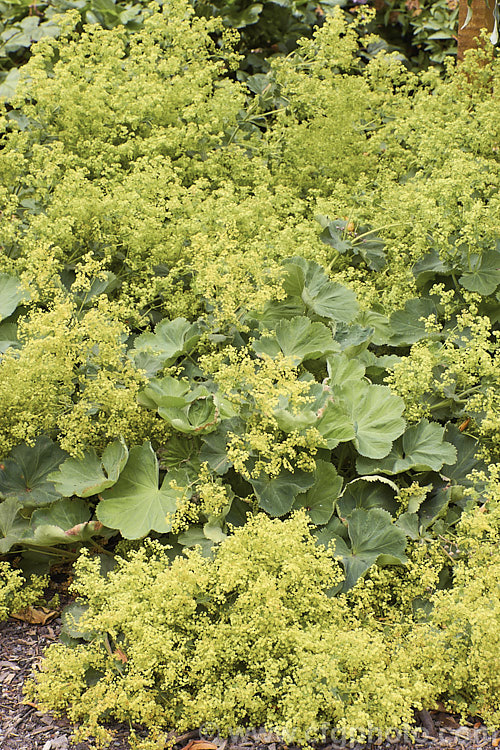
(253, 637)
(216, 298)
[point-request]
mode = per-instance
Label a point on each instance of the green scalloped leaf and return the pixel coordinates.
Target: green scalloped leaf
(375, 414)
(170, 340)
(307, 281)
(90, 475)
(410, 524)
(342, 370)
(372, 535)
(187, 410)
(8, 336)
(276, 495)
(466, 447)
(11, 295)
(298, 339)
(136, 505)
(428, 267)
(290, 418)
(72, 618)
(25, 473)
(65, 522)
(214, 449)
(167, 391)
(483, 275)
(197, 416)
(13, 528)
(335, 425)
(195, 537)
(421, 448)
(319, 500)
(366, 493)
(408, 325)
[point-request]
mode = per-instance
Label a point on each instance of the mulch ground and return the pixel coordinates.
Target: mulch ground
(23, 727)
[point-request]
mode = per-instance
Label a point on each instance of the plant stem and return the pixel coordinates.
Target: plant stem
(52, 551)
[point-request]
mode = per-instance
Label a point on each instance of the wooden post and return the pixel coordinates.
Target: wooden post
(482, 18)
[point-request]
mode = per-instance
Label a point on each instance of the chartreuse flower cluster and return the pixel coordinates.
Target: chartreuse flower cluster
(202, 294)
(76, 380)
(252, 638)
(248, 638)
(254, 387)
(456, 372)
(14, 594)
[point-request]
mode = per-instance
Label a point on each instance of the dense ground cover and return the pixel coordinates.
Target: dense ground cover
(422, 32)
(255, 321)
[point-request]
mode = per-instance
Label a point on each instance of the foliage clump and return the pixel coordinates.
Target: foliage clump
(76, 380)
(465, 618)
(248, 638)
(228, 273)
(14, 593)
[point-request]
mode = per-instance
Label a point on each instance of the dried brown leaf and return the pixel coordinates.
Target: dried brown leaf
(199, 745)
(35, 615)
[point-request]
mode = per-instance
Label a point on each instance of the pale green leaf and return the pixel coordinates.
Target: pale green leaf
(65, 522)
(298, 339)
(167, 391)
(483, 275)
(136, 505)
(8, 336)
(11, 295)
(90, 475)
(335, 425)
(73, 618)
(170, 340)
(197, 416)
(13, 528)
(343, 370)
(375, 414)
(307, 280)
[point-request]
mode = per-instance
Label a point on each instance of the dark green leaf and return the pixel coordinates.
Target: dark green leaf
(276, 495)
(420, 448)
(25, 474)
(408, 325)
(319, 500)
(428, 267)
(376, 492)
(372, 534)
(466, 447)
